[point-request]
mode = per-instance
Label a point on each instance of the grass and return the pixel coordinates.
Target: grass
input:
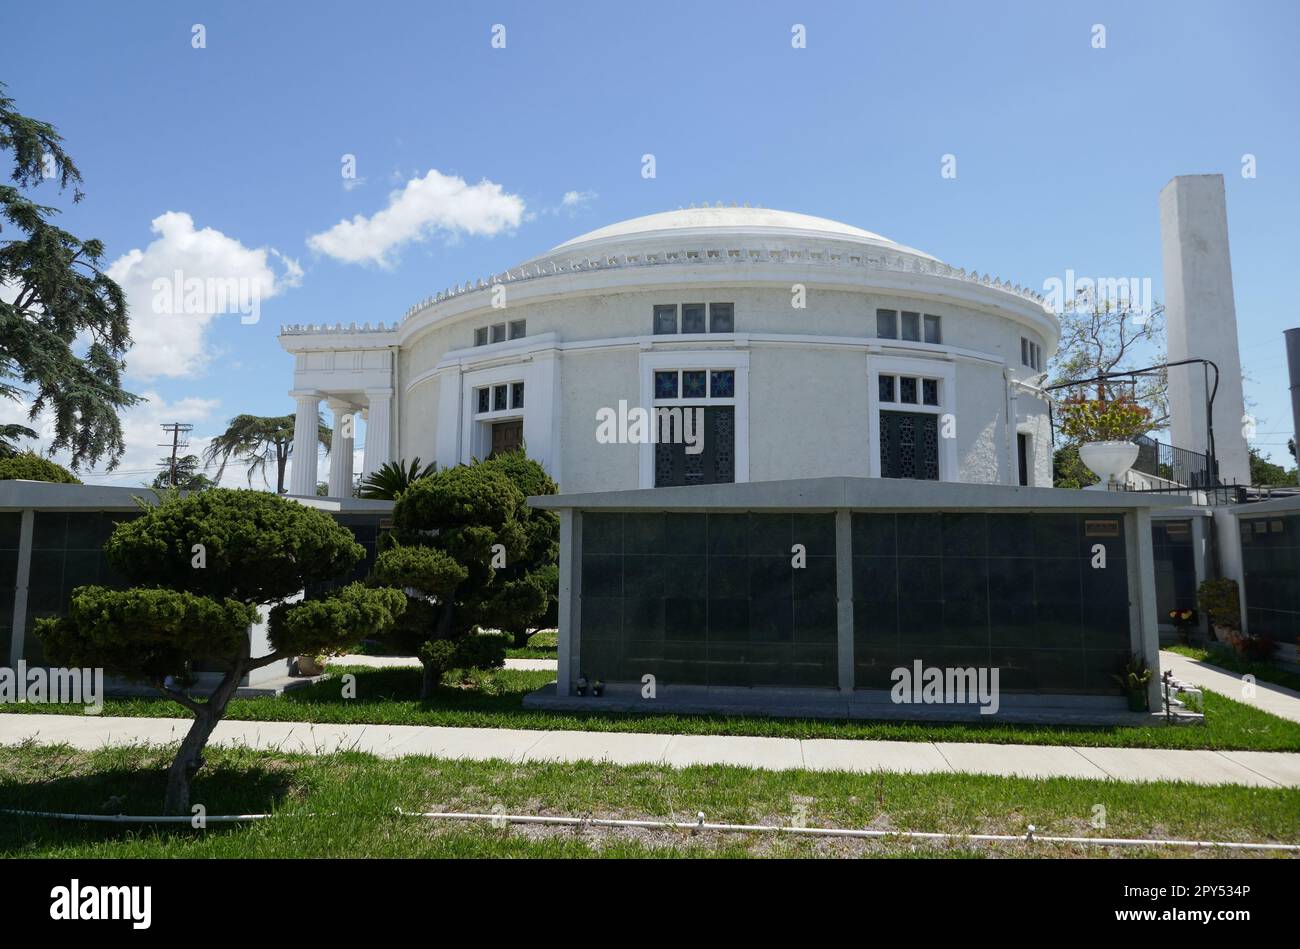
(541, 645)
(1227, 659)
(493, 700)
(344, 805)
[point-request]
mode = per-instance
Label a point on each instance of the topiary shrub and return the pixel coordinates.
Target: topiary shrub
(202, 566)
(464, 548)
(29, 466)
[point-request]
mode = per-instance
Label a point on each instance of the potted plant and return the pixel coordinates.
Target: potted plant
(1104, 430)
(1218, 598)
(312, 665)
(1133, 679)
(1183, 619)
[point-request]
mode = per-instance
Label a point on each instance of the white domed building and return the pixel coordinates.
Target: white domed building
(812, 347)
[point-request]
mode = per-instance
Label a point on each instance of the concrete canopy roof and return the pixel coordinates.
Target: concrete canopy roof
(858, 493)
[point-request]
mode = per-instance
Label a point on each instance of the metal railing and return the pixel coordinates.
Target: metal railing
(1191, 469)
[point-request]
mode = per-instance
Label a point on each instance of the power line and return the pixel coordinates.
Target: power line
(176, 430)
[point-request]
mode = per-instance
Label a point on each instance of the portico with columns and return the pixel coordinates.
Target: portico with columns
(353, 376)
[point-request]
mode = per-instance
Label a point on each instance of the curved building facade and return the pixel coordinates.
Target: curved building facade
(791, 347)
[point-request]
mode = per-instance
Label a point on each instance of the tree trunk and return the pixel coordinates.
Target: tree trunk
(189, 757)
(521, 637)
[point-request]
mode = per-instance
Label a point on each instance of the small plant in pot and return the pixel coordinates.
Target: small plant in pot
(1133, 679)
(1104, 430)
(1184, 619)
(1219, 599)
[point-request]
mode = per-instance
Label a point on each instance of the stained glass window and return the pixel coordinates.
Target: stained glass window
(907, 389)
(517, 395)
(886, 388)
(722, 383)
(693, 384)
(930, 391)
(498, 398)
(666, 385)
(484, 400)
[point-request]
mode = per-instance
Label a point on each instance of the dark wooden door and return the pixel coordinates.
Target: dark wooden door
(507, 437)
(909, 445)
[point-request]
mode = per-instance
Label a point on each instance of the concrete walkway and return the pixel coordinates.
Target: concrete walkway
(406, 662)
(1254, 768)
(1274, 699)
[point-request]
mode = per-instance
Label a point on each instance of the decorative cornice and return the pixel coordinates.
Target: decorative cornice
(869, 260)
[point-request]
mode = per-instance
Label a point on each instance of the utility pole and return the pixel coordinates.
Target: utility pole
(176, 429)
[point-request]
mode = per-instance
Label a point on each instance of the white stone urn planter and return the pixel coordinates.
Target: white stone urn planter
(1109, 461)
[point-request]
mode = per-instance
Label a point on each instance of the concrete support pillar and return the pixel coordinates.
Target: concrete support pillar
(1145, 635)
(306, 437)
(570, 622)
(844, 597)
(341, 450)
(379, 424)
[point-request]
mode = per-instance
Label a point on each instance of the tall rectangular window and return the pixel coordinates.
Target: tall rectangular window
(932, 334)
(498, 332)
(665, 320)
(481, 336)
(887, 324)
(693, 318)
(912, 327)
(722, 318)
(499, 398)
(518, 328)
(516, 395)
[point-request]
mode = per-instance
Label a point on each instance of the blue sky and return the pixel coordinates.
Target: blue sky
(1061, 148)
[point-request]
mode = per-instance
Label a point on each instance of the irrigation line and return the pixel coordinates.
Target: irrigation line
(694, 827)
(701, 825)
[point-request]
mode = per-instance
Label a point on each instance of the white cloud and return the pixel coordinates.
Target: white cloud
(184, 280)
(425, 206)
(576, 199)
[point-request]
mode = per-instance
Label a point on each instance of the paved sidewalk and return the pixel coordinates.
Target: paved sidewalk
(404, 662)
(1254, 768)
(1274, 699)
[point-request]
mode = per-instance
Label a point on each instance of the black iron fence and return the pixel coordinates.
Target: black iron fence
(1180, 465)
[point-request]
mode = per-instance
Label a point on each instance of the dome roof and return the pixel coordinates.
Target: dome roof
(719, 222)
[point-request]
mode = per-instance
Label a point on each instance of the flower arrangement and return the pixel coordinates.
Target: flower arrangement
(1101, 420)
(1184, 619)
(1133, 679)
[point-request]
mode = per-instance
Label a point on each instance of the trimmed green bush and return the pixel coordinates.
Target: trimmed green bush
(29, 466)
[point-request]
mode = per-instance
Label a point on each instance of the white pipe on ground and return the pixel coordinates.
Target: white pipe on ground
(697, 826)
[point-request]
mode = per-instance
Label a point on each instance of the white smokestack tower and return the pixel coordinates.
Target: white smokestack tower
(1201, 320)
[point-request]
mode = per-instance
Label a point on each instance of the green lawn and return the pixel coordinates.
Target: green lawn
(345, 806)
(492, 700)
(1227, 659)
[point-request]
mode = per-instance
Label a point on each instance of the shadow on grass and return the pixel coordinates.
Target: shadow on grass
(126, 780)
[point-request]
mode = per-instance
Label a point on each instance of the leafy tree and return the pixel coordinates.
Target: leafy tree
(537, 573)
(8, 434)
(257, 441)
(29, 466)
(60, 298)
(1068, 471)
(1101, 338)
(203, 565)
(392, 478)
(450, 529)
(188, 475)
(1264, 472)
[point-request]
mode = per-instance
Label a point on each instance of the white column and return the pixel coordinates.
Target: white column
(306, 436)
(341, 449)
(378, 430)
